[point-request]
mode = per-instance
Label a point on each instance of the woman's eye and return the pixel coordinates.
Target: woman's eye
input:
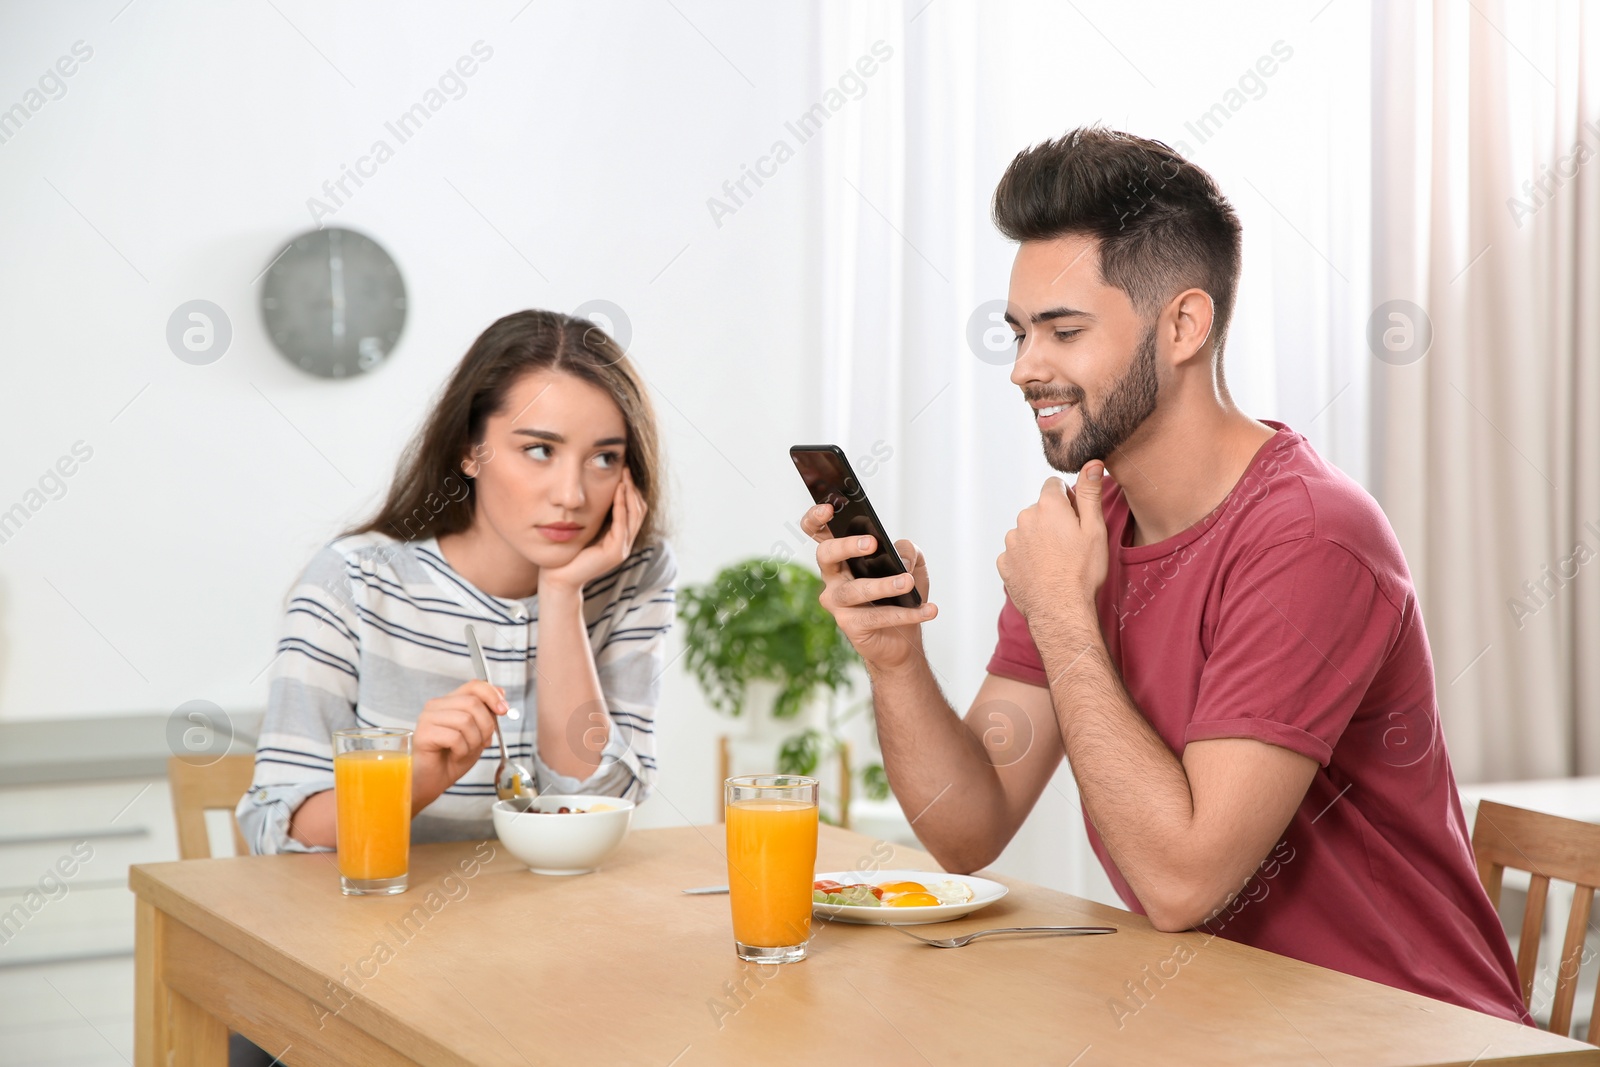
(607, 459)
(538, 451)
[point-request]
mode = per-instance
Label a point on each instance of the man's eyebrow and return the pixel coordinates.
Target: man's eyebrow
(1053, 313)
(551, 435)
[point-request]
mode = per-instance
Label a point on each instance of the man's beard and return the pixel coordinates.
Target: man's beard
(1128, 403)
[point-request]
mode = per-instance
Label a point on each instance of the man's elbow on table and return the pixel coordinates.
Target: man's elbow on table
(1173, 919)
(1179, 906)
(971, 842)
(963, 857)
(965, 864)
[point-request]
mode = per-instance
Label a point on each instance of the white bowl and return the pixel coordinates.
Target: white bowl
(573, 843)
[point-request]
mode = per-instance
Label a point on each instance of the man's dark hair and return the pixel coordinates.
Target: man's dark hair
(1160, 222)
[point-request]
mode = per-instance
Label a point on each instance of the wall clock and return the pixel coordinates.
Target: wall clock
(334, 303)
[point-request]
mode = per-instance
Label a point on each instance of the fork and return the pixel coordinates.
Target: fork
(964, 939)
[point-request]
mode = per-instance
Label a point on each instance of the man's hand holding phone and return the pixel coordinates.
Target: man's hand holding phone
(886, 637)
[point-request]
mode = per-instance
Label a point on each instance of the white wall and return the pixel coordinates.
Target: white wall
(187, 146)
(190, 141)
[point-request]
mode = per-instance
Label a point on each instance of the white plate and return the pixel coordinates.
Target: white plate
(984, 893)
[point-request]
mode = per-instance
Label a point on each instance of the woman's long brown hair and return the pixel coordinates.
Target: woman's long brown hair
(430, 496)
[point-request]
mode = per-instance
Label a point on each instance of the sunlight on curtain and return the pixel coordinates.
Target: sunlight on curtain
(1489, 458)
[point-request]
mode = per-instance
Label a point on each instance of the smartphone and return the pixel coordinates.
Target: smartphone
(828, 475)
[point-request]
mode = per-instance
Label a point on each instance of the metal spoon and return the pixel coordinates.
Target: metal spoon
(512, 782)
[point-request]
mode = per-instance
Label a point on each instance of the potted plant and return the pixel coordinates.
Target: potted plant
(759, 621)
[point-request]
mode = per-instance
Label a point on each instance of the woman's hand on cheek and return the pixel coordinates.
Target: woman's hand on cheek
(605, 553)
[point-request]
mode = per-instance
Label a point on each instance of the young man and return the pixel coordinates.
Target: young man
(1216, 627)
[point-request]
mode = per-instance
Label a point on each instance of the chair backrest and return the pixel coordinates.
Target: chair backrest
(199, 789)
(1546, 846)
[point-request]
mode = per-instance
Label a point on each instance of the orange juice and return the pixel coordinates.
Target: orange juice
(772, 859)
(372, 791)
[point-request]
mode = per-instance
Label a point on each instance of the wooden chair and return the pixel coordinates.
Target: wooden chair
(197, 790)
(1546, 846)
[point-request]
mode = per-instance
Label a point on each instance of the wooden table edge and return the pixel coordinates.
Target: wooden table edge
(189, 975)
(198, 1005)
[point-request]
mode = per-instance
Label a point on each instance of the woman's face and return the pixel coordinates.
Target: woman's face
(548, 466)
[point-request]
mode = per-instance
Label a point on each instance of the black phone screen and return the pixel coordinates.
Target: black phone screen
(830, 480)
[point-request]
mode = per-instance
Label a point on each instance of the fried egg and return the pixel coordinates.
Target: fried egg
(951, 891)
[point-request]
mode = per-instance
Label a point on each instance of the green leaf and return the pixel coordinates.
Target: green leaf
(875, 781)
(801, 753)
(760, 619)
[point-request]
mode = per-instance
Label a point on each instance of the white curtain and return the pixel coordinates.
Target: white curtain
(1487, 217)
(908, 254)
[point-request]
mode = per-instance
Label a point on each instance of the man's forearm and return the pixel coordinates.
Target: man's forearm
(1133, 788)
(946, 786)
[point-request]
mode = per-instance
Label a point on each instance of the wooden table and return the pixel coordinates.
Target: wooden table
(507, 967)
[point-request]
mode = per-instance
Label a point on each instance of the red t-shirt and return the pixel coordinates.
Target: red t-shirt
(1287, 615)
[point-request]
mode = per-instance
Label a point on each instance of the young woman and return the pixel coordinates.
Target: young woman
(527, 506)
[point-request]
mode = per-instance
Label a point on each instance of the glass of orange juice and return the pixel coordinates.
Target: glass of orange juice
(372, 794)
(772, 860)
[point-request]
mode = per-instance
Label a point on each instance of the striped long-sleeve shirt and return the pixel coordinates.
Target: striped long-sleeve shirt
(375, 629)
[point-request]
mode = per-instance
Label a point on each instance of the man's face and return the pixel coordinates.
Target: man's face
(1086, 362)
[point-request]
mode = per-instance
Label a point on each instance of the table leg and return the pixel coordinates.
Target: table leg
(169, 1030)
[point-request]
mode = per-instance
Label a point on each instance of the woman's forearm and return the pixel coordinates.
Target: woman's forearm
(574, 725)
(315, 821)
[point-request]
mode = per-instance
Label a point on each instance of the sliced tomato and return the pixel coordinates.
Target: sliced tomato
(827, 885)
